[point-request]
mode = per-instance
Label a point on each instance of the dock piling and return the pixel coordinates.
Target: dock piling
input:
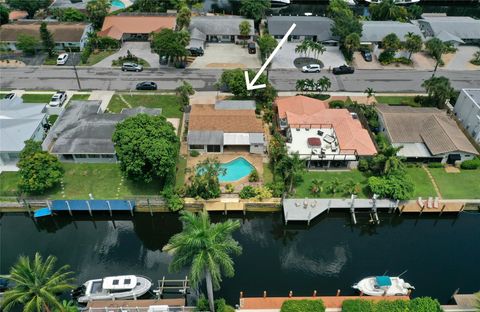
(338, 292)
(314, 293)
(109, 208)
(241, 294)
(264, 294)
(290, 294)
(69, 209)
(89, 208)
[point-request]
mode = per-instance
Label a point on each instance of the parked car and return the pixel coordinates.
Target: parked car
(196, 51)
(367, 56)
(252, 48)
(312, 68)
(132, 67)
(9, 96)
(62, 59)
(146, 85)
(58, 99)
(344, 69)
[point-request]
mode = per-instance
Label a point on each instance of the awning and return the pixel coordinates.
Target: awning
(236, 139)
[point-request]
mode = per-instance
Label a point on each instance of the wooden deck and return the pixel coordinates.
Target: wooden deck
(329, 301)
(135, 303)
(466, 300)
(443, 207)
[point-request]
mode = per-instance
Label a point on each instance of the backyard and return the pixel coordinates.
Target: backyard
(462, 185)
(168, 103)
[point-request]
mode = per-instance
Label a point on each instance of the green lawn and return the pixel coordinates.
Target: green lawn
(52, 119)
(465, 184)
(79, 97)
(423, 185)
(168, 103)
(180, 174)
(8, 183)
(267, 174)
(97, 57)
(37, 98)
(397, 100)
(51, 60)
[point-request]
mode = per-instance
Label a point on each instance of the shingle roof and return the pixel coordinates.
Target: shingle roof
(299, 105)
(61, 31)
(115, 26)
(16, 15)
(207, 118)
(463, 27)
(235, 105)
(220, 25)
(427, 125)
(375, 31)
(306, 26)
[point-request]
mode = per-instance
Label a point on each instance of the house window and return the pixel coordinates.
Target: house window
(295, 37)
(197, 147)
(213, 148)
(80, 156)
(107, 156)
(93, 156)
(226, 37)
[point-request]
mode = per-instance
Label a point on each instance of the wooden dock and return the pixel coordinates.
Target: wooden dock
(137, 305)
(443, 207)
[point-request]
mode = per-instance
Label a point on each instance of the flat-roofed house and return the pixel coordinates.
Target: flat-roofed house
(323, 137)
(373, 32)
(67, 35)
(224, 126)
(19, 122)
(316, 28)
(467, 110)
(453, 29)
(425, 134)
(224, 29)
(126, 27)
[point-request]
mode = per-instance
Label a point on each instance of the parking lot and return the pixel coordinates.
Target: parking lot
(285, 57)
(227, 55)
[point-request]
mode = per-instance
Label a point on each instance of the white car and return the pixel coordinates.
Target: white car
(58, 99)
(62, 59)
(312, 68)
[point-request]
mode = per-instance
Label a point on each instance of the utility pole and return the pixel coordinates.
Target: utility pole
(75, 70)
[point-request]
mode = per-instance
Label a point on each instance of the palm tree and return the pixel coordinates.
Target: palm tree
(206, 248)
(352, 42)
(302, 48)
(37, 284)
(324, 83)
(413, 43)
(292, 168)
(439, 89)
(319, 48)
(184, 17)
(334, 186)
(310, 84)
(392, 163)
(436, 48)
(351, 187)
(316, 187)
(369, 92)
(300, 85)
(245, 30)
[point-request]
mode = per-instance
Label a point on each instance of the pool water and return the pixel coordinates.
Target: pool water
(118, 4)
(235, 170)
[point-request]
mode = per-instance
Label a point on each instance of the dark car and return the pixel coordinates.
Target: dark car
(9, 96)
(196, 51)
(147, 85)
(344, 69)
(252, 48)
(367, 56)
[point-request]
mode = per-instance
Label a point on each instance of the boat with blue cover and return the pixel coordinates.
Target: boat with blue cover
(383, 286)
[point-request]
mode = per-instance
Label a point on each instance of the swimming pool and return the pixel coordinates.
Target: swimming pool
(118, 4)
(235, 170)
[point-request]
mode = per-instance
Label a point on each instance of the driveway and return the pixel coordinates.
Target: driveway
(285, 57)
(461, 59)
(227, 55)
(139, 49)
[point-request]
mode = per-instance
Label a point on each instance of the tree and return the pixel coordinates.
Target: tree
(38, 170)
(277, 151)
(28, 5)
(439, 90)
(68, 14)
(205, 183)
(234, 81)
(302, 48)
(334, 186)
(184, 16)
(184, 91)
(476, 58)
(425, 304)
(394, 186)
(324, 84)
(292, 168)
(27, 43)
(301, 85)
(316, 186)
(47, 39)
(387, 10)
(36, 284)
(96, 12)
(152, 6)
(344, 20)
(147, 147)
(266, 43)
(67, 306)
(351, 187)
(369, 92)
(170, 43)
(391, 42)
(4, 11)
(352, 43)
(206, 248)
(254, 9)
(415, 11)
(436, 48)
(245, 30)
(413, 43)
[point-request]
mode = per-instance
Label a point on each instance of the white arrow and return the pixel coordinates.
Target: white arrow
(250, 84)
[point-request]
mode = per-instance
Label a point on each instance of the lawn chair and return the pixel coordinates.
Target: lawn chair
(430, 202)
(436, 203)
(420, 202)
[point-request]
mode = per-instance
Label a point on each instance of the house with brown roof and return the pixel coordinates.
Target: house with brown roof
(227, 125)
(67, 35)
(425, 134)
(128, 27)
(322, 136)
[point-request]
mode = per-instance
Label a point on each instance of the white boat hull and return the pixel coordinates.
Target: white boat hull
(94, 292)
(279, 2)
(369, 287)
(396, 1)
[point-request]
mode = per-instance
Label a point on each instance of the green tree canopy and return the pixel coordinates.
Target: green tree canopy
(4, 13)
(47, 39)
(36, 284)
(439, 90)
(436, 48)
(147, 147)
(415, 11)
(31, 6)
(27, 43)
(413, 43)
(206, 248)
(391, 42)
(254, 9)
(388, 10)
(96, 11)
(234, 81)
(68, 14)
(169, 43)
(204, 183)
(352, 42)
(245, 30)
(267, 43)
(394, 186)
(344, 21)
(292, 167)
(184, 16)
(184, 91)
(151, 6)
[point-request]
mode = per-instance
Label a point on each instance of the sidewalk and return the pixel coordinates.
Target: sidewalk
(104, 96)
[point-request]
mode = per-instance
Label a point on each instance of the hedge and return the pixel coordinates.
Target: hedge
(422, 304)
(470, 164)
(303, 306)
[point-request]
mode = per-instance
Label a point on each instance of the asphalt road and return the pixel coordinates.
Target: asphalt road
(63, 78)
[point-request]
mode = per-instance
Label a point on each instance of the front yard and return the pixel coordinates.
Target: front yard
(94, 58)
(397, 100)
(168, 103)
(37, 98)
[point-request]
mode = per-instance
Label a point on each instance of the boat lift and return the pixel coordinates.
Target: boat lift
(165, 286)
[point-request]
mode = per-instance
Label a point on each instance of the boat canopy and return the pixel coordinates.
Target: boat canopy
(383, 281)
(119, 282)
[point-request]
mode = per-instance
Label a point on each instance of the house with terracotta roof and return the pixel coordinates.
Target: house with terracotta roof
(67, 35)
(324, 137)
(128, 27)
(425, 134)
(225, 126)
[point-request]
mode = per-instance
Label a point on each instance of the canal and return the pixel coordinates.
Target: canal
(440, 253)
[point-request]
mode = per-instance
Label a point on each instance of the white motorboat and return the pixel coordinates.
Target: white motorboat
(113, 288)
(383, 286)
(396, 1)
(277, 3)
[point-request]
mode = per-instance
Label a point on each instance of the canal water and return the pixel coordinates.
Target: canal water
(441, 254)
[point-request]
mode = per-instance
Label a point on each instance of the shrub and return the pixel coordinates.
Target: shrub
(386, 57)
(403, 60)
(222, 306)
(262, 192)
(358, 305)
(394, 186)
(336, 104)
(435, 165)
(247, 192)
(277, 188)
(229, 188)
(253, 177)
(363, 165)
(202, 304)
(172, 199)
(425, 304)
(470, 164)
(392, 306)
(303, 306)
(194, 153)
